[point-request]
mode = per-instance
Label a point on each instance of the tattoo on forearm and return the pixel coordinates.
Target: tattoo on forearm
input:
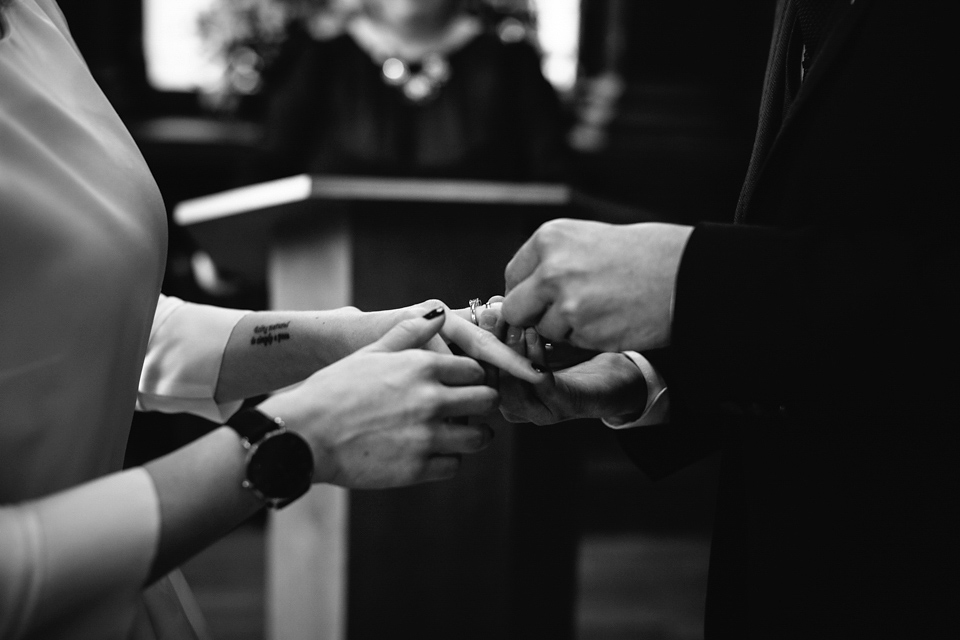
(268, 334)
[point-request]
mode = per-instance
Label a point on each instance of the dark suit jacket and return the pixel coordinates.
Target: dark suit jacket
(816, 342)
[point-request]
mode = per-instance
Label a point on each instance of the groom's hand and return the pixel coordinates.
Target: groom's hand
(598, 286)
(604, 385)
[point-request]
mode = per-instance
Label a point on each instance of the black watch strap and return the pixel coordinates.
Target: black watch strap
(253, 425)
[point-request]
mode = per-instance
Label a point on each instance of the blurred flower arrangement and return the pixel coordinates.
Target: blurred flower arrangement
(246, 36)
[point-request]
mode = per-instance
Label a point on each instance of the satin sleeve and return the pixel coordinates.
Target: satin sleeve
(72, 565)
(182, 365)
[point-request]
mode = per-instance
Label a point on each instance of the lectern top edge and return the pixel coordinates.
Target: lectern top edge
(344, 188)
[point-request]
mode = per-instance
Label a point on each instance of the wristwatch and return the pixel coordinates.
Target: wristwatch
(279, 461)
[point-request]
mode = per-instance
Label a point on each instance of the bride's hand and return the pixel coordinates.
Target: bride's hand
(576, 384)
(485, 346)
(458, 329)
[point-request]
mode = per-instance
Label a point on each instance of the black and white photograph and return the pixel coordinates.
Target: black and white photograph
(479, 320)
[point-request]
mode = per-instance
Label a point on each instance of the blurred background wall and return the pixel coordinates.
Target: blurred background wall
(657, 104)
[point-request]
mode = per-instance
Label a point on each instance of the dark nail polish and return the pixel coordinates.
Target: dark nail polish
(433, 314)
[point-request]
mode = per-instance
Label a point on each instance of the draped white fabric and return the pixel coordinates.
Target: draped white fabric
(82, 250)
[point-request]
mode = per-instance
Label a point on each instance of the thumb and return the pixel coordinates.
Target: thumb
(410, 334)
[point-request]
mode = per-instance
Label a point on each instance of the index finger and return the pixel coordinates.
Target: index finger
(437, 345)
(524, 262)
(483, 345)
(526, 304)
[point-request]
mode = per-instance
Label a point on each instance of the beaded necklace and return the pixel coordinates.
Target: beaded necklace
(418, 70)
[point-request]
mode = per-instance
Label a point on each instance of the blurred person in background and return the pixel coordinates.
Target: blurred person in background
(426, 88)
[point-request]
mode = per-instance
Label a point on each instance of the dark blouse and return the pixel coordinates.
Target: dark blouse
(496, 117)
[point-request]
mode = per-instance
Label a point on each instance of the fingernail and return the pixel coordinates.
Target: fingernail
(530, 335)
(433, 314)
(513, 335)
(536, 368)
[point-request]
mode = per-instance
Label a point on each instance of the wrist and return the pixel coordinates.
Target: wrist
(296, 417)
(336, 333)
(632, 399)
(358, 329)
(279, 462)
(656, 404)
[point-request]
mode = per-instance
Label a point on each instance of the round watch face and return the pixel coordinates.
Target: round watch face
(281, 466)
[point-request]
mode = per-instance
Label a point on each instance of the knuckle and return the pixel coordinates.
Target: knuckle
(409, 313)
(475, 373)
(433, 365)
(492, 399)
(465, 438)
(429, 398)
(418, 310)
(487, 341)
(422, 360)
(424, 439)
(569, 307)
(556, 229)
(483, 436)
(483, 338)
(551, 228)
(553, 272)
(417, 441)
(511, 417)
(407, 325)
(432, 303)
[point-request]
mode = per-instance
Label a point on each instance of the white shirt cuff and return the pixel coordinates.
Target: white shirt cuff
(657, 409)
(182, 365)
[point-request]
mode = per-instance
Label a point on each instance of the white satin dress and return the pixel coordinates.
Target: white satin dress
(82, 342)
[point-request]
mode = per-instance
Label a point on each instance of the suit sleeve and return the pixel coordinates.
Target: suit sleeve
(805, 319)
(802, 322)
(660, 450)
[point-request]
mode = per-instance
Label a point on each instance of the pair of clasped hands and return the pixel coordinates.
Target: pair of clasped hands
(389, 411)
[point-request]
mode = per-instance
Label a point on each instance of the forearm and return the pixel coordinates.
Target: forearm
(76, 558)
(83, 555)
(271, 350)
(200, 496)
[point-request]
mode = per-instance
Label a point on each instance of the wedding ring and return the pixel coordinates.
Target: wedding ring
(473, 310)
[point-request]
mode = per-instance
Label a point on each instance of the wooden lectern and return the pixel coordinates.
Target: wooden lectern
(490, 554)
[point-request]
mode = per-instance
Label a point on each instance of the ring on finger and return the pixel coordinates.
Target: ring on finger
(474, 303)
